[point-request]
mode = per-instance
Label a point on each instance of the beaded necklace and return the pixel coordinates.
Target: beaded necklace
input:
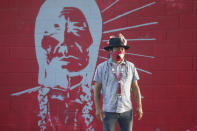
(119, 80)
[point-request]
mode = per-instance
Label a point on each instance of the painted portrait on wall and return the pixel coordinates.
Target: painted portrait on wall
(67, 37)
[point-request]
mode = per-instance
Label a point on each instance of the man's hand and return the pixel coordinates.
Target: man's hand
(97, 91)
(139, 112)
(137, 96)
(99, 114)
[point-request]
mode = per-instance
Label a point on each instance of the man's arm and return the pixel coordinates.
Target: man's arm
(137, 96)
(97, 93)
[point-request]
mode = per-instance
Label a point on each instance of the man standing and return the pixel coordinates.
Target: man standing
(117, 77)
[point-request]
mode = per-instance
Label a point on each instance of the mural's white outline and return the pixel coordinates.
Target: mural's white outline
(31, 90)
(110, 6)
(139, 39)
(142, 39)
(130, 27)
(152, 57)
(148, 72)
(119, 16)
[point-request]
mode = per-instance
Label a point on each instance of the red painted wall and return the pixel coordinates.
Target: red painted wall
(166, 50)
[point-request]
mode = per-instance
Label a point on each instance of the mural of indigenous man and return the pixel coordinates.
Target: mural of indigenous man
(67, 39)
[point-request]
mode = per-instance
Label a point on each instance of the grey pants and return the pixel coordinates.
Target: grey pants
(125, 121)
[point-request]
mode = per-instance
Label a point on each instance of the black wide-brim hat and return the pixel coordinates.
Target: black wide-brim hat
(116, 42)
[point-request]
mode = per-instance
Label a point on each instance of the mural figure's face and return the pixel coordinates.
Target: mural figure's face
(68, 40)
